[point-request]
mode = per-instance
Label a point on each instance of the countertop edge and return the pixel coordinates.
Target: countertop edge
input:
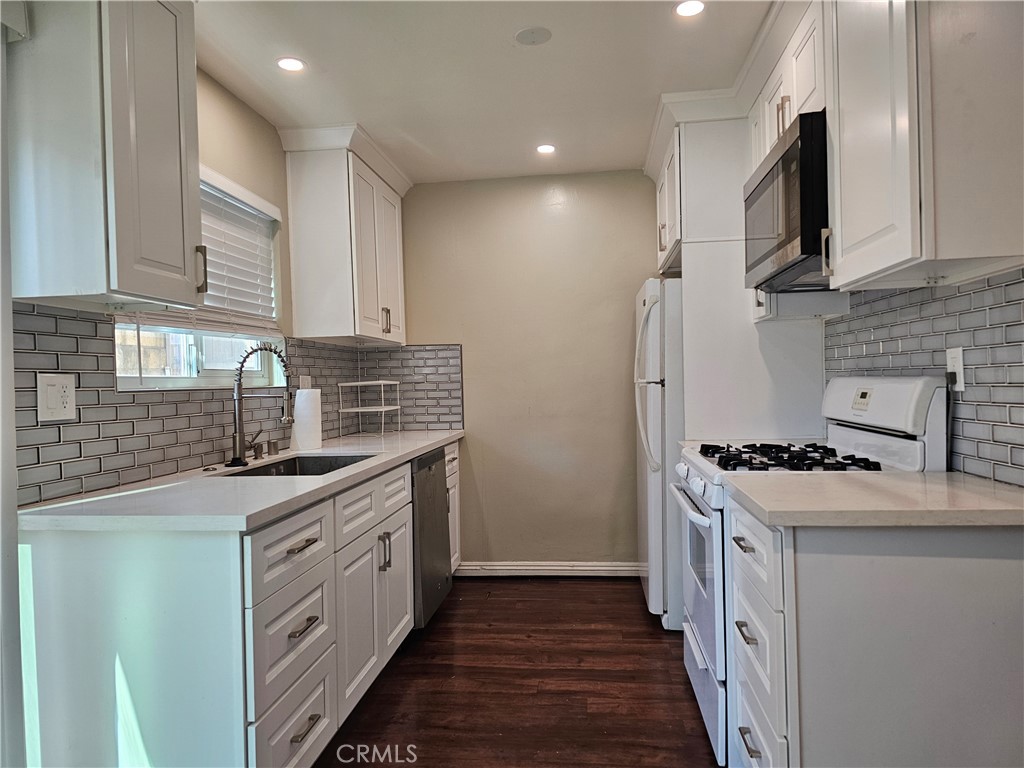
(861, 518)
(39, 519)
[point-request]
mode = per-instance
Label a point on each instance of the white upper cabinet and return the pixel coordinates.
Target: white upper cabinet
(103, 152)
(699, 198)
(795, 85)
(346, 248)
(670, 212)
(928, 145)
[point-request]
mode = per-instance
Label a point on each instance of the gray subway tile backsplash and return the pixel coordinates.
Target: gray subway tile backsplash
(124, 437)
(984, 317)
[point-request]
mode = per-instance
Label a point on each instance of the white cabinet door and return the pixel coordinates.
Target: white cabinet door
(367, 278)
(806, 61)
(152, 146)
(358, 587)
(878, 194)
(755, 125)
(396, 582)
(669, 201)
(389, 258)
(772, 105)
(454, 521)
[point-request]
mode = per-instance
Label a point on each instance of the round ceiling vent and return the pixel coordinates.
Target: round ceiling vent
(533, 36)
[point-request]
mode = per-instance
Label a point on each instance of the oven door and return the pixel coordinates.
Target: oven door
(703, 587)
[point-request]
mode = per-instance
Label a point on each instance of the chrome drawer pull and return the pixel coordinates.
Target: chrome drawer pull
(301, 547)
(295, 634)
(747, 638)
(300, 737)
(742, 544)
(755, 754)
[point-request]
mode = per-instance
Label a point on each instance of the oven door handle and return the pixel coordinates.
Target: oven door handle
(692, 515)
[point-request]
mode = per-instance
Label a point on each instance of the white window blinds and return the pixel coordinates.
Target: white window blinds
(239, 244)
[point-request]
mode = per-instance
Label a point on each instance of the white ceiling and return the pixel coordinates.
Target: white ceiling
(447, 93)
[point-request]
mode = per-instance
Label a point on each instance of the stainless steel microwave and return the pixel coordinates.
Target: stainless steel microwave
(786, 205)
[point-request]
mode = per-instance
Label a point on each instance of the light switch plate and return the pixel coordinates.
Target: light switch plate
(55, 396)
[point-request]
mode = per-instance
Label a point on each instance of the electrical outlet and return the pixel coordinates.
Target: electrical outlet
(955, 364)
(55, 397)
(305, 382)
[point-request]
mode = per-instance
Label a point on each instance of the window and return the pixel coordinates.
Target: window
(157, 349)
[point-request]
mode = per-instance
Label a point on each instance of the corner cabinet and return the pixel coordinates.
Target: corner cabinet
(345, 224)
(102, 142)
(927, 143)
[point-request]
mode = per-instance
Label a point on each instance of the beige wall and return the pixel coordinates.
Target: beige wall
(235, 141)
(536, 277)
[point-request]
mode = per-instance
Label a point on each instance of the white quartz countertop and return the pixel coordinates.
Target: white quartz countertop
(216, 501)
(845, 499)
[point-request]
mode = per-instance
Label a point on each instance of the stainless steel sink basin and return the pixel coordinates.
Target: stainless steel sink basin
(301, 465)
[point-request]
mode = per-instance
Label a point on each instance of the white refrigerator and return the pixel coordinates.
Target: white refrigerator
(705, 371)
(658, 386)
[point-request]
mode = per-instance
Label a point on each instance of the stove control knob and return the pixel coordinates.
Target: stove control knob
(697, 484)
(682, 470)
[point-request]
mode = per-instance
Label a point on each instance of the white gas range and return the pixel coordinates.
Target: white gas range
(873, 424)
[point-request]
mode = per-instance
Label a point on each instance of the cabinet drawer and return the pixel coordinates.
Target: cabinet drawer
(301, 723)
(451, 459)
(356, 511)
(396, 489)
(281, 553)
(752, 742)
(286, 633)
(757, 551)
(759, 647)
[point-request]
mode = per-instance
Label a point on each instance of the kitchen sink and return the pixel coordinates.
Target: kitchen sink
(301, 465)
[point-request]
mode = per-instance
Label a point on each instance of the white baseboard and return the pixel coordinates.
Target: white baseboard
(522, 568)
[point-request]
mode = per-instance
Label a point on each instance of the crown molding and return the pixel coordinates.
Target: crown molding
(353, 137)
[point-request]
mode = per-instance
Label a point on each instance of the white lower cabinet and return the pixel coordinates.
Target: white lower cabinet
(833, 653)
(374, 594)
(451, 464)
(296, 729)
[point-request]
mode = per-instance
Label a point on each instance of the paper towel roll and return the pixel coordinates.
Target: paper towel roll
(307, 431)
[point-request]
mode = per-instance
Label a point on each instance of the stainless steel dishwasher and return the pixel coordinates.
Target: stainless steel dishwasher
(432, 562)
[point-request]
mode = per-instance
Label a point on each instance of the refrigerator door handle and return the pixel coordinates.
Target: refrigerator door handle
(641, 337)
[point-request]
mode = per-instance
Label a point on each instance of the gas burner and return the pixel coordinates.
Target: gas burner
(763, 457)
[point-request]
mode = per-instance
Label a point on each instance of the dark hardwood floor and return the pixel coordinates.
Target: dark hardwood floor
(545, 673)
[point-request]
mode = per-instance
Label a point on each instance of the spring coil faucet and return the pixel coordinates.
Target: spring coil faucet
(238, 439)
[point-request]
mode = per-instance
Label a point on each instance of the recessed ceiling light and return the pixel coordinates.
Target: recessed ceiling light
(690, 8)
(290, 64)
(546, 149)
(533, 36)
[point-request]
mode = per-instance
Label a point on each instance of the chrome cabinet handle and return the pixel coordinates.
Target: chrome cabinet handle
(301, 547)
(778, 121)
(740, 542)
(782, 106)
(661, 239)
(202, 286)
(755, 754)
(826, 258)
(749, 639)
(300, 737)
(383, 539)
(387, 535)
(295, 634)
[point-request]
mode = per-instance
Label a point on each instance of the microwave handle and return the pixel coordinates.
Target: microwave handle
(826, 258)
